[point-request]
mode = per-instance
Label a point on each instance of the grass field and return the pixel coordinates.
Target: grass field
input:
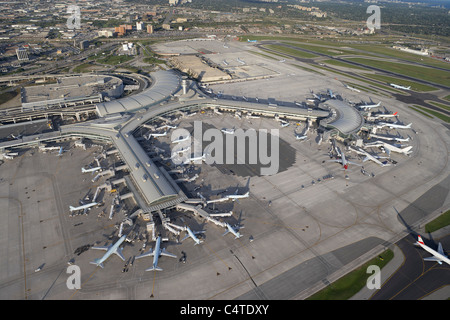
(350, 284)
(290, 51)
(343, 64)
(424, 73)
(436, 114)
(438, 223)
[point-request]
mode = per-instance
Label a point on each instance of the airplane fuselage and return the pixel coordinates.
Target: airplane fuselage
(110, 251)
(85, 206)
(433, 252)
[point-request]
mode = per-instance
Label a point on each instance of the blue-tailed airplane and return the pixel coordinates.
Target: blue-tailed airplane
(156, 254)
(114, 248)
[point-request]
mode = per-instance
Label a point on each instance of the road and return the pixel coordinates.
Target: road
(416, 278)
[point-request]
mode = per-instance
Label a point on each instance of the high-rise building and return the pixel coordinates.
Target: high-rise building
(149, 28)
(139, 26)
(22, 54)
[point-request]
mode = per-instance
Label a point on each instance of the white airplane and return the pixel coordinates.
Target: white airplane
(10, 155)
(385, 115)
(351, 88)
(192, 159)
(84, 207)
(394, 125)
(399, 86)
(301, 137)
(438, 256)
(156, 254)
(284, 124)
(369, 157)
(389, 147)
(114, 248)
(370, 106)
(155, 135)
(228, 131)
(91, 169)
(343, 160)
(192, 234)
(282, 60)
(235, 196)
(181, 139)
(233, 231)
(392, 138)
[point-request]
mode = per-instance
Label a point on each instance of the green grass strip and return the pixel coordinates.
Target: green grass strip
(350, 284)
(440, 222)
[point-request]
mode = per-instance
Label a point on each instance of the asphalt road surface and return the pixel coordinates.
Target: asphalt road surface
(416, 278)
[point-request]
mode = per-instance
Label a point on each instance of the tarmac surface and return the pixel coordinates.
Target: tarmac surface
(302, 230)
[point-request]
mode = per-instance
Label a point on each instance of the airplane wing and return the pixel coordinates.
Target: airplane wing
(105, 248)
(185, 237)
(433, 259)
(167, 254)
(146, 254)
(118, 252)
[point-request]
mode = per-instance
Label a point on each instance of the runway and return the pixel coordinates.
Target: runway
(416, 278)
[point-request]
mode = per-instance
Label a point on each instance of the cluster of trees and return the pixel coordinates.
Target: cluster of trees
(418, 19)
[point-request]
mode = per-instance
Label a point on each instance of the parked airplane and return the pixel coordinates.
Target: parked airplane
(192, 235)
(389, 147)
(234, 231)
(156, 254)
(91, 169)
(284, 123)
(248, 40)
(192, 159)
(84, 207)
(395, 125)
(391, 138)
(369, 157)
(400, 87)
(351, 88)
(10, 155)
(114, 248)
(227, 131)
(301, 137)
(181, 139)
(438, 256)
(385, 115)
(370, 106)
(155, 135)
(238, 196)
(343, 160)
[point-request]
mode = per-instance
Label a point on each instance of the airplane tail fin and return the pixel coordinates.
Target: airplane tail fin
(409, 125)
(419, 240)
